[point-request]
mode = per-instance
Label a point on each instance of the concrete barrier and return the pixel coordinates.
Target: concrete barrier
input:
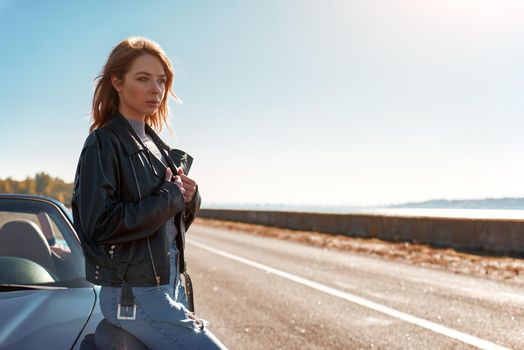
(499, 236)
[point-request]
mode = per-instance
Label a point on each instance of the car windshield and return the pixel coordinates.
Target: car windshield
(38, 245)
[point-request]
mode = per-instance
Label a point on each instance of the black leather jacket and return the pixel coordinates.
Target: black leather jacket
(121, 204)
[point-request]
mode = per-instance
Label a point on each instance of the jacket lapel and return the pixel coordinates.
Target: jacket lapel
(126, 134)
(132, 143)
(175, 158)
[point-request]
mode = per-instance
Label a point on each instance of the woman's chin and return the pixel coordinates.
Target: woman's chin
(149, 111)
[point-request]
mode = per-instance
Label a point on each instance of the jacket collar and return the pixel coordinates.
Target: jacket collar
(131, 143)
(129, 139)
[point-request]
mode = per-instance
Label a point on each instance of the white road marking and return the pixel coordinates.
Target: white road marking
(435, 327)
(514, 297)
(468, 290)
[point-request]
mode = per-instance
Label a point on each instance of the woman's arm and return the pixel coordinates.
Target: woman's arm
(102, 217)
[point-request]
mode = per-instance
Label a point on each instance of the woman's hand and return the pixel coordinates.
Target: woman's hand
(189, 184)
(177, 181)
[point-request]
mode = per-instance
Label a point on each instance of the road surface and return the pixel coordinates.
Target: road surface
(266, 293)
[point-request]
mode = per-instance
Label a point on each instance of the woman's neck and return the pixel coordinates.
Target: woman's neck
(130, 115)
(138, 126)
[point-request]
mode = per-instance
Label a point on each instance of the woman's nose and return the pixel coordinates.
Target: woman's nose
(157, 88)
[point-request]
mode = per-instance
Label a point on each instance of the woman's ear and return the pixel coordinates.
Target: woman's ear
(117, 83)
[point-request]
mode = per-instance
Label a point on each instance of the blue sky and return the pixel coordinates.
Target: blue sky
(287, 102)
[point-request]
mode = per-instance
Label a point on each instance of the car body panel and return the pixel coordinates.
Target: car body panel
(86, 338)
(44, 319)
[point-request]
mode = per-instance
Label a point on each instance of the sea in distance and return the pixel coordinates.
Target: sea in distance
(505, 214)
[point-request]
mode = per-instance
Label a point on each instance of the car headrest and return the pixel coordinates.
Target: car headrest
(24, 239)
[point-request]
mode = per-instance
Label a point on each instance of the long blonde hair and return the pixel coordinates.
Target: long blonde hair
(105, 98)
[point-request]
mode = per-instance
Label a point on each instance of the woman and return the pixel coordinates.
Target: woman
(129, 210)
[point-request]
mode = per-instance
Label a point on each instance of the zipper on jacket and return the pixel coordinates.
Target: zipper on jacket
(157, 278)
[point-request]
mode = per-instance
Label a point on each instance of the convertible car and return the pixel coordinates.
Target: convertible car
(45, 301)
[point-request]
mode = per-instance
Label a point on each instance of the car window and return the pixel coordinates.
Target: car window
(50, 230)
(6, 216)
(38, 245)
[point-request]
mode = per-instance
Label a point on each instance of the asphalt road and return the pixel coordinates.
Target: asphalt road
(265, 293)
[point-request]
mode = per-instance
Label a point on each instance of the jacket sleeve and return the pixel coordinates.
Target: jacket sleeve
(102, 217)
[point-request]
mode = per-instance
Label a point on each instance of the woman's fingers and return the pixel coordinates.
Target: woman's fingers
(187, 181)
(187, 185)
(189, 194)
(177, 180)
(179, 183)
(169, 174)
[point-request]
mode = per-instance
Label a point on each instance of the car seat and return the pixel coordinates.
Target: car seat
(24, 239)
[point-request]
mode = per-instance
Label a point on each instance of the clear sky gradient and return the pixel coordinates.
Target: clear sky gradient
(287, 102)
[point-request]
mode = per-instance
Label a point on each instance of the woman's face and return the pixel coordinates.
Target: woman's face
(143, 87)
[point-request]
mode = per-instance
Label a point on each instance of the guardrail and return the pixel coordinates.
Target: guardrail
(499, 236)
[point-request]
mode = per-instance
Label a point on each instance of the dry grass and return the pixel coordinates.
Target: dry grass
(498, 268)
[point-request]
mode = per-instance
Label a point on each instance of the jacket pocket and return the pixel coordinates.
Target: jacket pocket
(133, 252)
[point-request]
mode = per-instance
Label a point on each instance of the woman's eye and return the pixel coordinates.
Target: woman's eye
(162, 81)
(142, 79)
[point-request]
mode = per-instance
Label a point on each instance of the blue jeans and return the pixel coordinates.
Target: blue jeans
(163, 320)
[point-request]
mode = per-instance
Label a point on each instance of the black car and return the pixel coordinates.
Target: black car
(45, 301)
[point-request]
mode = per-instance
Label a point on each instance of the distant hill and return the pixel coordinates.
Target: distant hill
(487, 203)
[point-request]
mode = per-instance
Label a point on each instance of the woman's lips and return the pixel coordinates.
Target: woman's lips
(153, 103)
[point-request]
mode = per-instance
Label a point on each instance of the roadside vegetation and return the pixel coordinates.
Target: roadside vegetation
(42, 184)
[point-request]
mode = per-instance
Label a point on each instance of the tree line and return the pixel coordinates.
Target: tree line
(42, 184)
